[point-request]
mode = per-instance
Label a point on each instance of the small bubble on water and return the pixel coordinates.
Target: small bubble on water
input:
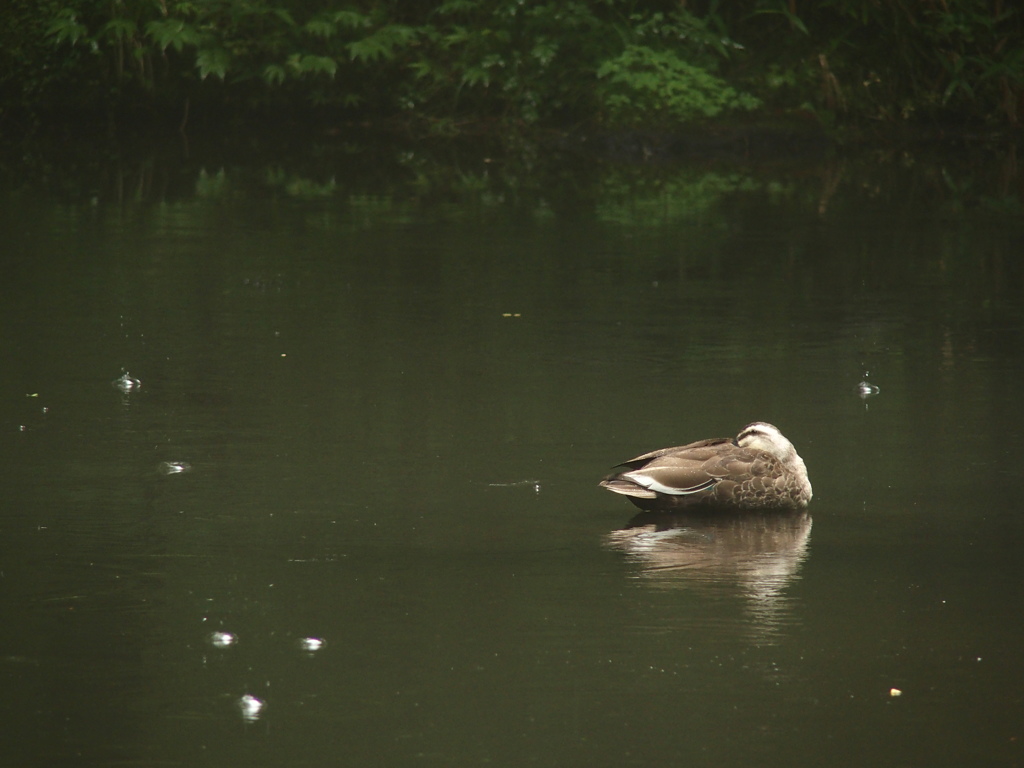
(312, 644)
(126, 383)
(250, 707)
(174, 467)
(866, 390)
(222, 639)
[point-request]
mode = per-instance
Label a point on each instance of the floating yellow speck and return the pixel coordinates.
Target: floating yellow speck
(511, 314)
(894, 692)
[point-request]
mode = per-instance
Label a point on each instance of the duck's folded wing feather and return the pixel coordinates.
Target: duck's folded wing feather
(676, 475)
(697, 469)
(700, 450)
(674, 481)
(616, 484)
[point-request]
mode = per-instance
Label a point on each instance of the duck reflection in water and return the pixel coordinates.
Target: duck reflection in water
(759, 553)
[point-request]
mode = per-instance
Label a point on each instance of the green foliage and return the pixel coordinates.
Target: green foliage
(213, 60)
(66, 28)
(642, 84)
(30, 66)
(783, 9)
(171, 33)
(626, 61)
(307, 64)
(522, 62)
(382, 44)
(900, 61)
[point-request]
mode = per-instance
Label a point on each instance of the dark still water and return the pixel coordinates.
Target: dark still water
(341, 508)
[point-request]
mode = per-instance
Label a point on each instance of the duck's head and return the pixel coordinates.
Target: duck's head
(761, 436)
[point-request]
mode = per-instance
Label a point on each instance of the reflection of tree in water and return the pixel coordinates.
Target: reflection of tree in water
(760, 553)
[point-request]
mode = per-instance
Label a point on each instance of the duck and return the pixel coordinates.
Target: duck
(759, 469)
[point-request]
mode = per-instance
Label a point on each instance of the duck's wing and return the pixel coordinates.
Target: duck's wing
(698, 448)
(681, 471)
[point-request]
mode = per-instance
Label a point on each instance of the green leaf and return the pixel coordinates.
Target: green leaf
(450, 7)
(322, 64)
(544, 51)
(476, 76)
(783, 10)
(306, 64)
(172, 33)
(66, 28)
(284, 16)
(321, 28)
(213, 61)
(351, 20)
(274, 74)
(182, 8)
(381, 44)
(119, 29)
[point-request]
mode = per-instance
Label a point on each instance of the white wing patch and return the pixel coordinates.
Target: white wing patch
(648, 482)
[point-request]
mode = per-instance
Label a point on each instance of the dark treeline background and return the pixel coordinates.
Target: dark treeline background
(456, 64)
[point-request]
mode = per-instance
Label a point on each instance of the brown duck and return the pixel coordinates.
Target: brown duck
(759, 469)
